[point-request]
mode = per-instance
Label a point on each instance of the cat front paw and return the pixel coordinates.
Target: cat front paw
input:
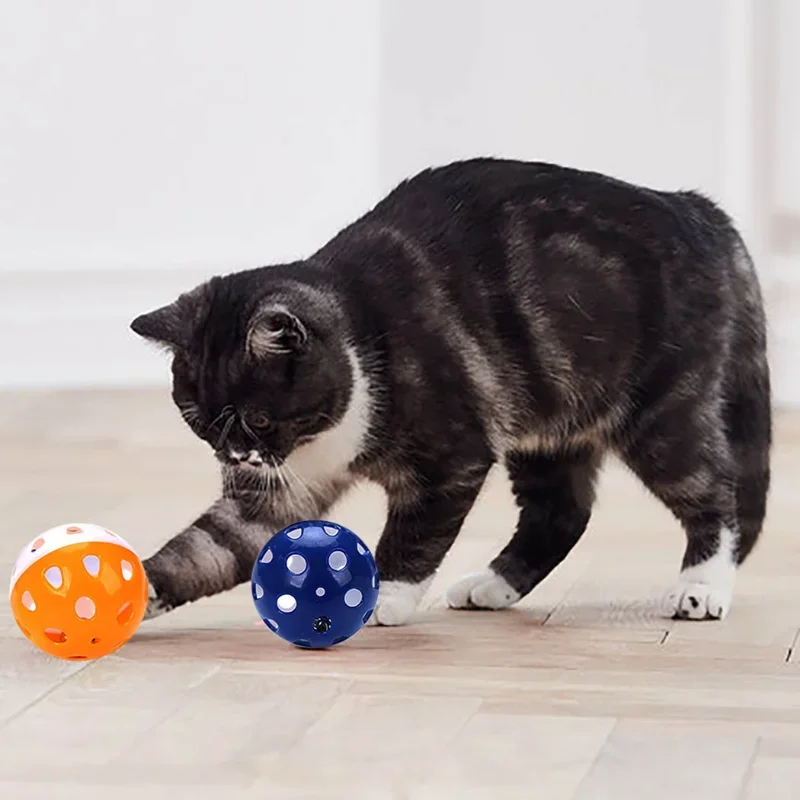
(397, 601)
(692, 600)
(486, 590)
(156, 606)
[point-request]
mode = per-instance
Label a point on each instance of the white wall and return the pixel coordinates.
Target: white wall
(628, 87)
(148, 133)
(145, 145)
(787, 108)
(142, 138)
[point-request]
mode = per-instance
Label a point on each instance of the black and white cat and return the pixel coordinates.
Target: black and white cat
(483, 311)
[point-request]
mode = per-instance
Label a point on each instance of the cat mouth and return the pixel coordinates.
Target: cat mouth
(252, 460)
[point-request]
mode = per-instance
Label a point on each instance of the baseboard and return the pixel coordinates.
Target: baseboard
(70, 328)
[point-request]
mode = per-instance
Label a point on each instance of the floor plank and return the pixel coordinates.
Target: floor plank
(585, 691)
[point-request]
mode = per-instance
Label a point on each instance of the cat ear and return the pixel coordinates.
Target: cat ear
(172, 325)
(276, 331)
(166, 326)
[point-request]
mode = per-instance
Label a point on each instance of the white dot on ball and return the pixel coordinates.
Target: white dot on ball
(337, 560)
(320, 592)
(287, 603)
(259, 591)
(360, 549)
(352, 597)
(54, 577)
(92, 565)
(85, 607)
(296, 564)
(267, 557)
(295, 534)
(272, 624)
(330, 531)
(27, 601)
(127, 569)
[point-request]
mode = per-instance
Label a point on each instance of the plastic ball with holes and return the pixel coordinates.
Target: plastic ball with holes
(78, 591)
(315, 584)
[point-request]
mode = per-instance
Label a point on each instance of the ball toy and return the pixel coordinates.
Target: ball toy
(78, 591)
(315, 584)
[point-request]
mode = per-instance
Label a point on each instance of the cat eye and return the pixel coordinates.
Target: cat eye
(260, 421)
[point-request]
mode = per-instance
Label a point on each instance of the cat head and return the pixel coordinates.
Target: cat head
(260, 364)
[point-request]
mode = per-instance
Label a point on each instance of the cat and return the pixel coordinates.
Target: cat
(484, 311)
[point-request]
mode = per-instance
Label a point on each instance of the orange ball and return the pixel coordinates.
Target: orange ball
(78, 591)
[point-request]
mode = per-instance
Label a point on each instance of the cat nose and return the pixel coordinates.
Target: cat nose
(254, 458)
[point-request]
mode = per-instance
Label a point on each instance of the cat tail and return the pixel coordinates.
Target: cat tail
(748, 409)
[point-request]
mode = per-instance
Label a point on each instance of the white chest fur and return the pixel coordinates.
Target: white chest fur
(327, 457)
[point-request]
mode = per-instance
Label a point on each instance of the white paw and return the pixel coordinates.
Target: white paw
(155, 606)
(484, 589)
(397, 601)
(705, 590)
(689, 600)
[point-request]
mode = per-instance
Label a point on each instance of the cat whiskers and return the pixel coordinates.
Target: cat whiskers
(190, 413)
(297, 484)
(226, 429)
(248, 430)
(229, 488)
(262, 490)
(226, 411)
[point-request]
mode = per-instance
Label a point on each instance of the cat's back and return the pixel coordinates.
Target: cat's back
(555, 288)
(498, 186)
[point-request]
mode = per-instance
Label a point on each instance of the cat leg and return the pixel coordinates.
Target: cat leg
(215, 553)
(683, 456)
(416, 539)
(555, 493)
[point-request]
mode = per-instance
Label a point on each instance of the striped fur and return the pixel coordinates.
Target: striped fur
(483, 311)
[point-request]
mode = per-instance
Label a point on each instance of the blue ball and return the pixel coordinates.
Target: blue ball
(315, 584)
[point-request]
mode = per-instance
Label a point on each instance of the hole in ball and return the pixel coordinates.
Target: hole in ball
(259, 591)
(295, 534)
(55, 635)
(272, 624)
(85, 607)
(54, 577)
(127, 569)
(92, 565)
(296, 564)
(302, 643)
(321, 624)
(267, 557)
(352, 597)
(27, 601)
(287, 603)
(337, 560)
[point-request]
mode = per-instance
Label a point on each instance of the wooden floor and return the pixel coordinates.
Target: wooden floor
(583, 692)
